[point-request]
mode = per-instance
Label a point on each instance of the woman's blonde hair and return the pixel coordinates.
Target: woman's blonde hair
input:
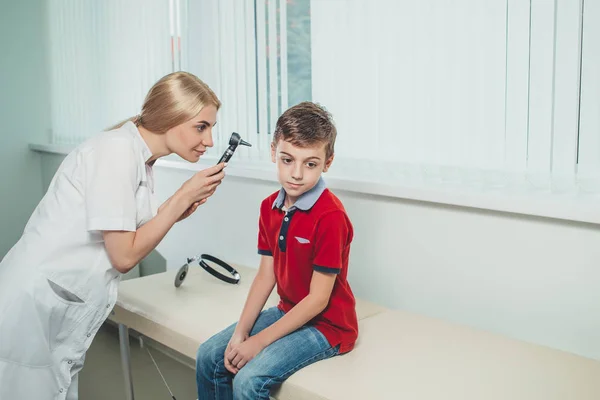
(173, 100)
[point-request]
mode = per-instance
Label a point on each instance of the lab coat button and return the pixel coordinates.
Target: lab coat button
(61, 390)
(89, 334)
(108, 306)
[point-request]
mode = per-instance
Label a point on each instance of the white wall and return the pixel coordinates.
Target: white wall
(530, 278)
(24, 113)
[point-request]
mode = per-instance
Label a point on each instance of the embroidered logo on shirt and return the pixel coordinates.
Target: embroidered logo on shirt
(302, 240)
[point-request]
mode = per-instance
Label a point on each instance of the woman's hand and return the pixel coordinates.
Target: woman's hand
(242, 353)
(203, 184)
(195, 191)
(235, 340)
(191, 209)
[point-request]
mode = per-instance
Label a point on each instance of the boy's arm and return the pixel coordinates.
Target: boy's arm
(321, 286)
(264, 282)
(261, 288)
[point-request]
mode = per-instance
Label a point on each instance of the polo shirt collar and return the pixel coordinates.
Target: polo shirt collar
(133, 130)
(306, 201)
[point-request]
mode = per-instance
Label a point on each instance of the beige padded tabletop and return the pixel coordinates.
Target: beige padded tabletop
(398, 355)
(405, 356)
(183, 318)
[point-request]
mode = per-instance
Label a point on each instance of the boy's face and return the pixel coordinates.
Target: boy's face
(299, 168)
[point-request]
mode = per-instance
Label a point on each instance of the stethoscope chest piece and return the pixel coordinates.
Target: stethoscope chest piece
(181, 274)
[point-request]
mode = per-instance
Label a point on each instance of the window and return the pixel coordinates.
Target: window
(257, 56)
(501, 94)
(103, 58)
(589, 128)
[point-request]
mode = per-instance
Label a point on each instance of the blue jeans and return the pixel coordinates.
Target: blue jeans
(270, 367)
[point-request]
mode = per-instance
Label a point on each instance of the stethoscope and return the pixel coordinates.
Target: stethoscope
(234, 279)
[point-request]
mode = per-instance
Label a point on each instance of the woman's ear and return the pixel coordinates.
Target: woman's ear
(328, 163)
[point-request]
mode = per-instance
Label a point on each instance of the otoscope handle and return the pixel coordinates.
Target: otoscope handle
(226, 156)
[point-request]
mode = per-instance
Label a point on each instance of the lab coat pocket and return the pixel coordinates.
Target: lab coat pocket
(64, 311)
(63, 293)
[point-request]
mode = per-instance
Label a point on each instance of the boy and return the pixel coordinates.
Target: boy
(304, 240)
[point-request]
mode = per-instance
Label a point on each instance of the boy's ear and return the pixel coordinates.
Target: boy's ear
(328, 163)
(273, 151)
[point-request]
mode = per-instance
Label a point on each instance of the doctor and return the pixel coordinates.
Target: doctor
(59, 282)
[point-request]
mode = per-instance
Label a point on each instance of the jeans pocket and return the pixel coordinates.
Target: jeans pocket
(335, 350)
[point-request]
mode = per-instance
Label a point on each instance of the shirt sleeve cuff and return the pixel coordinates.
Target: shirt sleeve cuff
(265, 252)
(327, 270)
(111, 224)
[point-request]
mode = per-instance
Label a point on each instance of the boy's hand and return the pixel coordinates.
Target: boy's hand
(235, 340)
(242, 353)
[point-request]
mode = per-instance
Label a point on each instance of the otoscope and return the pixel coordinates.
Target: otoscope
(234, 141)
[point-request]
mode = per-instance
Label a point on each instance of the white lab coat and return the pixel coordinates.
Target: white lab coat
(57, 285)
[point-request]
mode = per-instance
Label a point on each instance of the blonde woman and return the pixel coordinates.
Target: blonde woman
(59, 282)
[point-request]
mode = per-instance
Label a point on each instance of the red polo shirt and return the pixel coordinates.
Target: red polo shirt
(314, 234)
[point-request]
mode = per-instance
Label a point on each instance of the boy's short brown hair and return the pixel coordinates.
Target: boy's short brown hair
(306, 124)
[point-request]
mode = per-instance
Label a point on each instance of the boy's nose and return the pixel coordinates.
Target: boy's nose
(297, 173)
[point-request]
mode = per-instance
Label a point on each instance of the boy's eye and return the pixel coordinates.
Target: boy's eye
(286, 160)
(201, 128)
(311, 164)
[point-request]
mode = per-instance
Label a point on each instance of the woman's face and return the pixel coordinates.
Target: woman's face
(190, 139)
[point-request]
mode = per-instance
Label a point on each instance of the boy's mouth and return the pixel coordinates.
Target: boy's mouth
(294, 185)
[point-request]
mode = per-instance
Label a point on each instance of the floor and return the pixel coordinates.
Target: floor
(102, 376)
